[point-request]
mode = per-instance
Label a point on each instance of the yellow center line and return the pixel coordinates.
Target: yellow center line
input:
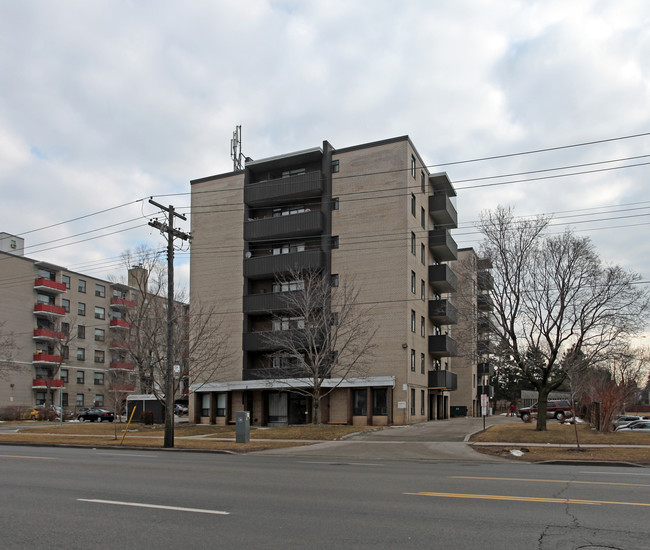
(552, 481)
(527, 499)
(35, 457)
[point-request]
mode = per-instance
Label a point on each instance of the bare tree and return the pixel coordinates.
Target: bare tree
(323, 334)
(551, 295)
(8, 350)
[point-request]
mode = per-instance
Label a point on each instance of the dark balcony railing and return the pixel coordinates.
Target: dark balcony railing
(442, 345)
(483, 347)
(442, 278)
(442, 245)
(46, 334)
(485, 390)
(284, 189)
(295, 225)
(443, 380)
(484, 280)
(443, 212)
(47, 309)
(270, 374)
(257, 341)
(264, 303)
(484, 302)
(49, 286)
(443, 312)
(485, 369)
(484, 324)
(269, 266)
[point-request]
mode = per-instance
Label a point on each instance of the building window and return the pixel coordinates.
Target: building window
(79, 402)
(423, 218)
(360, 402)
(65, 352)
(335, 167)
(423, 254)
(289, 286)
(335, 279)
(413, 243)
(65, 304)
(64, 399)
(80, 377)
(288, 323)
(422, 402)
(221, 404)
(412, 165)
(413, 282)
(412, 360)
(99, 335)
(423, 292)
(335, 203)
(82, 286)
(64, 375)
(65, 328)
(380, 402)
(422, 327)
(99, 356)
(99, 379)
(100, 313)
(335, 242)
(413, 205)
(423, 185)
(81, 332)
(422, 363)
(81, 354)
(205, 404)
(412, 402)
(412, 321)
(81, 309)
(65, 279)
(288, 248)
(99, 400)
(100, 291)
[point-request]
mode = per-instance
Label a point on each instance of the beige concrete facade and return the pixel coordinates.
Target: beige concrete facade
(381, 222)
(61, 323)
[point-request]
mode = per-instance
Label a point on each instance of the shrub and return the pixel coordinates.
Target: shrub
(147, 418)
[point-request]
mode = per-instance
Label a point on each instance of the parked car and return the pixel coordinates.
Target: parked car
(40, 412)
(180, 409)
(96, 415)
(555, 408)
(638, 426)
(624, 419)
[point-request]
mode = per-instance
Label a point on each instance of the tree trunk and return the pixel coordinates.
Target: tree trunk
(542, 399)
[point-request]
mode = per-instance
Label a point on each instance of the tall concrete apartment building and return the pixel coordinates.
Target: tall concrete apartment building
(63, 329)
(372, 214)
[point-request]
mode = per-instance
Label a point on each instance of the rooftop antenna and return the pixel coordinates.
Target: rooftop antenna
(235, 149)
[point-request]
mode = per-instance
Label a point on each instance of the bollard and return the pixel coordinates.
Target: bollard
(243, 427)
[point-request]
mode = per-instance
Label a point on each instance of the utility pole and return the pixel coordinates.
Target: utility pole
(171, 233)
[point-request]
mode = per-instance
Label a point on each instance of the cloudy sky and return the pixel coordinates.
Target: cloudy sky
(105, 103)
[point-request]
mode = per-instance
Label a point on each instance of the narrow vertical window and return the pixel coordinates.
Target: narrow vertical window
(413, 282)
(413, 204)
(423, 185)
(422, 363)
(413, 243)
(422, 290)
(412, 321)
(423, 218)
(412, 165)
(413, 360)
(423, 254)
(422, 402)
(335, 166)
(422, 327)
(412, 402)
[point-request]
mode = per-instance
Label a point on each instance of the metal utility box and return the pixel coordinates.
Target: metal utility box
(242, 427)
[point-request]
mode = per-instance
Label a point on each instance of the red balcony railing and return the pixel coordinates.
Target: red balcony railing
(40, 383)
(121, 387)
(46, 358)
(115, 344)
(121, 366)
(47, 334)
(49, 309)
(119, 323)
(121, 302)
(52, 286)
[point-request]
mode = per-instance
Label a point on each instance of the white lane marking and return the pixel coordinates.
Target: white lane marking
(122, 454)
(157, 506)
(339, 463)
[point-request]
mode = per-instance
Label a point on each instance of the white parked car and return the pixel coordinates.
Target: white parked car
(638, 426)
(626, 419)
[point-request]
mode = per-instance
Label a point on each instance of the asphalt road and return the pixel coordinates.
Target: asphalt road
(109, 498)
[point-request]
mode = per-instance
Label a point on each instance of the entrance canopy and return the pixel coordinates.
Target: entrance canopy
(292, 383)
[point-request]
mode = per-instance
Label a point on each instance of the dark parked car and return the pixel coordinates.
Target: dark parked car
(555, 408)
(96, 415)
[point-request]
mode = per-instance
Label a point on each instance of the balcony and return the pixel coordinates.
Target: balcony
(119, 323)
(262, 267)
(121, 387)
(442, 312)
(40, 383)
(121, 303)
(118, 365)
(443, 247)
(48, 310)
(46, 285)
(116, 344)
(47, 359)
(259, 341)
(47, 334)
(484, 280)
(485, 390)
(442, 345)
(256, 341)
(485, 369)
(287, 189)
(484, 302)
(484, 324)
(442, 212)
(264, 303)
(483, 347)
(442, 279)
(442, 380)
(279, 227)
